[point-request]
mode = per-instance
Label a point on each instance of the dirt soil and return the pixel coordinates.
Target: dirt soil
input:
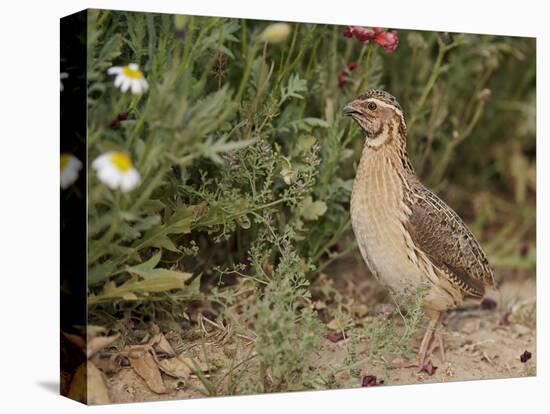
(480, 343)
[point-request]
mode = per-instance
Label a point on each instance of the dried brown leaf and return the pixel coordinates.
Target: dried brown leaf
(145, 365)
(98, 343)
(88, 385)
(76, 340)
(175, 367)
(97, 389)
(161, 344)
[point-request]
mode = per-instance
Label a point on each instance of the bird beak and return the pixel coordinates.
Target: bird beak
(350, 109)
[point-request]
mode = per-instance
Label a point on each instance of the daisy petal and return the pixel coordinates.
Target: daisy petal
(125, 84)
(115, 70)
(136, 87)
(109, 176)
(144, 84)
(129, 180)
(101, 161)
(118, 81)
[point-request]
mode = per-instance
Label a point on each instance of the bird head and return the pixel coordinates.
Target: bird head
(378, 114)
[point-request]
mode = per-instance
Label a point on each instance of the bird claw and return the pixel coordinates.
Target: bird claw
(404, 363)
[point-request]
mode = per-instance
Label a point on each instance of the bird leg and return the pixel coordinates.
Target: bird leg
(432, 339)
(438, 343)
(426, 346)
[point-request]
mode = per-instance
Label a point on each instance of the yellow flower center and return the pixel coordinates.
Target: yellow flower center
(65, 158)
(132, 73)
(121, 161)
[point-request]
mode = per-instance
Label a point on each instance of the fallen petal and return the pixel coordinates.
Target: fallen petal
(208, 314)
(429, 368)
(526, 356)
(334, 336)
(371, 381)
(504, 320)
(488, 304)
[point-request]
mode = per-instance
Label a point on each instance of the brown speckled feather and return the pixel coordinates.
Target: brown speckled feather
(442, 235)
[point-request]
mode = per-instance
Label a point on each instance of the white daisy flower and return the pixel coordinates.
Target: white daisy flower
(63, 75)
(115, 169)
(70, 166)
(129, 77)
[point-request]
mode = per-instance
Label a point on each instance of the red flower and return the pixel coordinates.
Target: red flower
(352, 66)
(363, 34)
(388, 40)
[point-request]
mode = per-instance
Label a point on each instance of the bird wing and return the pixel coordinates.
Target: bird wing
(441, 234)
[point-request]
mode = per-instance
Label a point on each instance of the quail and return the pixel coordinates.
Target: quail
(407, 236)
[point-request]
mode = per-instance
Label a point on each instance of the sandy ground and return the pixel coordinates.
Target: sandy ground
(480, 344)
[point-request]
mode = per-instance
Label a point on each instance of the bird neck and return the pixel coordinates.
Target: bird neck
(389, 145)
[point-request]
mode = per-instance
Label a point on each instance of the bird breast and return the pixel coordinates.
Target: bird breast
(378, 212)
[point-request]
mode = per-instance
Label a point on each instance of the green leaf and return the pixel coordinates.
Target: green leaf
(146, 266)
(294, 87)
(304, 143)
(99, 272)
(312, 210)
(146, 278)
(163, 242)
(148, 269)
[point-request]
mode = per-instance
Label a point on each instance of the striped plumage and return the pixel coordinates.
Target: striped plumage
(407, 235)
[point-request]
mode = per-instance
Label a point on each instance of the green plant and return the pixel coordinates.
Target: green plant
(246, 165)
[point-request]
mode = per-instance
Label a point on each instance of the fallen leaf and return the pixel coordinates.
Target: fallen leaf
(333, 325)
(175, 367)
(145, 365)
(319, 305)
(109, 364)
(79, 385)
(97, 389)
(88, 385)
(76, 340)
(98, 343)
(161, 344)
(360, 310)
(195, 364)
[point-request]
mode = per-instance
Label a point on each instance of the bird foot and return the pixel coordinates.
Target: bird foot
(398, 363)
(431, 341)
(427, 366)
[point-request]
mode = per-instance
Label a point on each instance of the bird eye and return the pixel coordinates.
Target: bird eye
(371, 106)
